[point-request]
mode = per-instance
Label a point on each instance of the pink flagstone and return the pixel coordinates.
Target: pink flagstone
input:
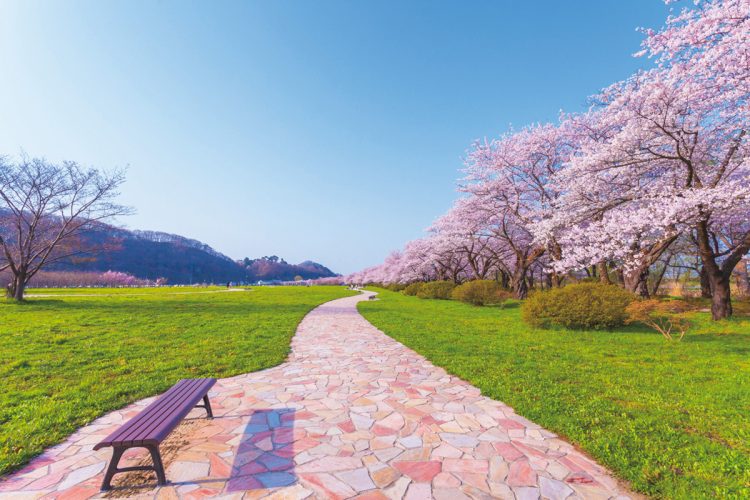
(419, 471)
(521, 474)
(328, 486)
(445, 480)
(508, 451)
(466, 465)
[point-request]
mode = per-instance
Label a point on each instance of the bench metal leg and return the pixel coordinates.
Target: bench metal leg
(117, 452)
(158, 465)
(112, 468)
(207, 405)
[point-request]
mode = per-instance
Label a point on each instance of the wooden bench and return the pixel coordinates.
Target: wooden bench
(153, 424)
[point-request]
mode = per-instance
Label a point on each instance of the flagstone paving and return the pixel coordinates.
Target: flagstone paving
(352, 413)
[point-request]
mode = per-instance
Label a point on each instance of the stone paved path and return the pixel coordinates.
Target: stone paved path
(352, 413)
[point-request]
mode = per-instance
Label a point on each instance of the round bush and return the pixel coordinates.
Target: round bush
(480, 293)
(436, 290)
(412, 288)
(582, 306)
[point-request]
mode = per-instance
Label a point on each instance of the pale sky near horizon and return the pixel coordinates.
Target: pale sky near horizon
(332, 131)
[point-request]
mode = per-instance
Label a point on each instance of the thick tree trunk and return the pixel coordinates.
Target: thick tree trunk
(19, 286)
(518, 284)
(504, 280)
(742, 278)
(721, 299)
(454, 276)
(603, 273)
(555, 280)
(636, 281)
(705, 283)
(719, 276)
(520, 290)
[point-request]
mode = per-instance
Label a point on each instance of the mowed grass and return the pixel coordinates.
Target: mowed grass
(66, 360)
(672, 418)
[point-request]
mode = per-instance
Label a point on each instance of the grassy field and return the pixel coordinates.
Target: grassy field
(671, 418)
(67, 359)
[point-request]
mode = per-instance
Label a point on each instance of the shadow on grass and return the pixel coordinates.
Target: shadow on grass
(31, 302)
(159, 307)
(509, 305)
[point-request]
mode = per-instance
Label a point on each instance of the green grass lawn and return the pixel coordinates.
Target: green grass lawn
(673, 419)
(66, 360)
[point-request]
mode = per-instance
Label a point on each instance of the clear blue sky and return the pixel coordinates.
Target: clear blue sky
(324, 130)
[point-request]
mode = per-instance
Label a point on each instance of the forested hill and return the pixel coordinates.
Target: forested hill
(152, 255)
(276, 268)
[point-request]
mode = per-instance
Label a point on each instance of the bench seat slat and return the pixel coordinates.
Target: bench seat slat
(157, 420)
(159, 428)
(153, 410)
(162, 408)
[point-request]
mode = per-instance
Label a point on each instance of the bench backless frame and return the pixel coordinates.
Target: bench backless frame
(153, 424)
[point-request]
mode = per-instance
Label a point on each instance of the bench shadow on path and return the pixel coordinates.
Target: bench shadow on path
(263, 459)
(265, 455)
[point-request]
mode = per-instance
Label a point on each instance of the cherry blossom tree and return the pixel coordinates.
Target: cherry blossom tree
(509, 181)
(707, 52)
(594, 219)
(430, 258)
(465, 226)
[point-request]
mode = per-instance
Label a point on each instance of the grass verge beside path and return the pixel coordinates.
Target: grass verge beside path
(672, 418)
(66, 360)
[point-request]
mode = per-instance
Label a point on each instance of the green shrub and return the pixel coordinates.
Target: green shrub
(665, 316)
(582, 306)
(413, 288)
(436, 290)
(480, 293)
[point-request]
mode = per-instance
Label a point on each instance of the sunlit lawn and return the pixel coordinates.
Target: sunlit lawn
(671, 418)
(69, 359)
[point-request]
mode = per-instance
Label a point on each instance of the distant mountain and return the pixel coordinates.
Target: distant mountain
(153, 254)
(275, 268)
(159, 237)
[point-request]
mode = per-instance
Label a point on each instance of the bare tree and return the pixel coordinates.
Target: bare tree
(46, 209)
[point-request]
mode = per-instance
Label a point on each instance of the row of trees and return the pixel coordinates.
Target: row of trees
(658, 167)
(73, 279)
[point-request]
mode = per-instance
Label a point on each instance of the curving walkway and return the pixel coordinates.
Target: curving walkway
(352, 413)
